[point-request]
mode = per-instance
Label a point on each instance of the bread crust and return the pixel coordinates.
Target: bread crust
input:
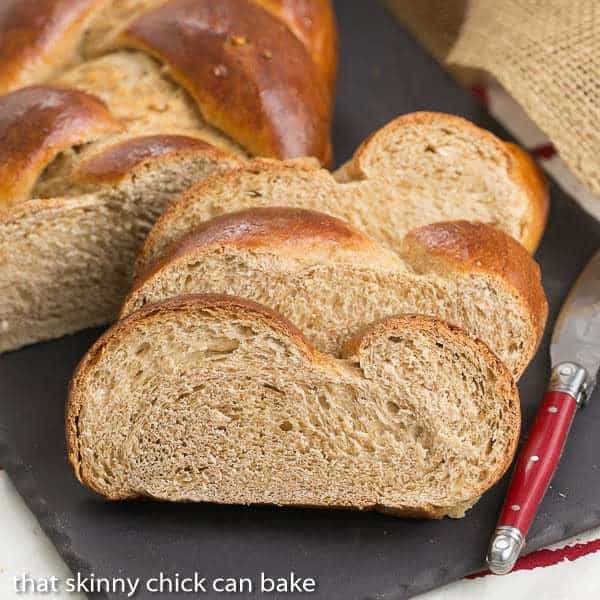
(467, 246)
(231, 307)
(39, 122)
(37, 38)
(525, 169)
(113, 164)
(522, 169)
(314, 23)
(293, 231)
(262, 90)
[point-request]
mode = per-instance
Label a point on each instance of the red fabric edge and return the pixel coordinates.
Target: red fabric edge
(547, 558)
(544, 151)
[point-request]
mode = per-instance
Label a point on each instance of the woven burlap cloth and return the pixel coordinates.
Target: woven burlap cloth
(546, 54)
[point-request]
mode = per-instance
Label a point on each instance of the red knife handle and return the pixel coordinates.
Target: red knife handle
(538, 460)
(536, 464)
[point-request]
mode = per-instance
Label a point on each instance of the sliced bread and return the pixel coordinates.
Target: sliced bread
(420, 169)
(215, 399)
(330, 279)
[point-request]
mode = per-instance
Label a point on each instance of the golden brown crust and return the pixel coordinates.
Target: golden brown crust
(37, 37)
(471, 246)
(36, 124)
(291, 230)
(112, 164)
(314, 23)
(533, 181)
(256, 81)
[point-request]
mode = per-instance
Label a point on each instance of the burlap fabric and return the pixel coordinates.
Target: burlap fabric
(546, 53)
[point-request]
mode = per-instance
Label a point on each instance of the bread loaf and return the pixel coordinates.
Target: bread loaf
(420, 169)
(111, 107)
(215, 399)
(331, 280)
(114, 107)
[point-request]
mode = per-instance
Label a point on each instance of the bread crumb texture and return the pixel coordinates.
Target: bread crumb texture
(216, 399)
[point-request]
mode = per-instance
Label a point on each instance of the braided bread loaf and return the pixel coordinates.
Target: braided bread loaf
(112, 106)
(130, 102)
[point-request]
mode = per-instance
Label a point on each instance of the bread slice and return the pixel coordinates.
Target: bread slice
(422, 168)
(330, 279)
(216, 399)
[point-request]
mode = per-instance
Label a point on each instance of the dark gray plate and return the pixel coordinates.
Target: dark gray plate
(353, 556)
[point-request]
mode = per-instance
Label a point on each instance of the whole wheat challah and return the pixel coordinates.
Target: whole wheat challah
(112, 111)
(113, 107)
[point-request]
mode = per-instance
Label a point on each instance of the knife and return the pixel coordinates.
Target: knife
(575, 357)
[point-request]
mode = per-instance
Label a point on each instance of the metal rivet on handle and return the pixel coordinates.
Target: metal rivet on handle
(515, 507)
(567, 370)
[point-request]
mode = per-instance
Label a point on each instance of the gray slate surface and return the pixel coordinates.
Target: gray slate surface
(353, 556)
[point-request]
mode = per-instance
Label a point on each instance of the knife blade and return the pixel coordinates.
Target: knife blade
(576, 335)
(575, 359)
